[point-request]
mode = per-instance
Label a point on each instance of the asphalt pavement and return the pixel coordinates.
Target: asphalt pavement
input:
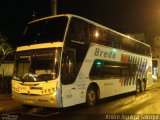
(7, 103)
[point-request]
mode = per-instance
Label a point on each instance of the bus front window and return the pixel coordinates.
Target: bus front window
(38, 66)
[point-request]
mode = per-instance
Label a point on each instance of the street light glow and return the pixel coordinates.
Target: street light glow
(96, 34)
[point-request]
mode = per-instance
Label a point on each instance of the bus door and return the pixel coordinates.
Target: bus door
(68, 78)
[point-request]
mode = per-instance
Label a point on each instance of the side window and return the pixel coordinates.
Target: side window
(94, 33)
(67, 69)
(112, 38)
(74, 31)
(108, 41)
(125, 43)
(148, 51)
(131, 46)
(78, 30)
(118, 39)
(97, 35)
(111, 69)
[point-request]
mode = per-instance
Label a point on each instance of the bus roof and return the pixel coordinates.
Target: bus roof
(89, 21)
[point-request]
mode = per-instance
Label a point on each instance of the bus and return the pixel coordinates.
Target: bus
(68, 60)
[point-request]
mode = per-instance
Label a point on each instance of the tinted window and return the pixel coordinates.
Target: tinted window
(49, 30)
(111, 69)
(78, 31)
(82, 32)
(97, 35)
(68, 67)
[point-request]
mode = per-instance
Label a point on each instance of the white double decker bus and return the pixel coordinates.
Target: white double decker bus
(68, 60)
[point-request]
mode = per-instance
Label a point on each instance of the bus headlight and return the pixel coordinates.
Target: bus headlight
(53, 89)
(52, 100)
(45, 91)
(49, 90)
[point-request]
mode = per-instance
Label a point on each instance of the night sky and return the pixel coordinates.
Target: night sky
(126, 16)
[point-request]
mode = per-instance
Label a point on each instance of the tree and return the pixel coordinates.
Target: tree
(5, 48)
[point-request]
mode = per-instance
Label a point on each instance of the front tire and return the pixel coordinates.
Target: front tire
(91, 96)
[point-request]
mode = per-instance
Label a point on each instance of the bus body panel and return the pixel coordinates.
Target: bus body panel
(37, 93)
(108, 86)
(113, 69)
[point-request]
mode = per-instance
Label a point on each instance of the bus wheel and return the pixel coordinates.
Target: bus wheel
(143, 85)
(138, 86)
(91, 96)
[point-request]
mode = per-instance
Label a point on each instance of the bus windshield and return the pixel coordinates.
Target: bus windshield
(37, 65)
(47, 30)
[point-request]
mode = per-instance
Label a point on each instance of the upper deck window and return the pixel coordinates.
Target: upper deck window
(47, 30)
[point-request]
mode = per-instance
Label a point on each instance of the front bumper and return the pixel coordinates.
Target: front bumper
(48, 100)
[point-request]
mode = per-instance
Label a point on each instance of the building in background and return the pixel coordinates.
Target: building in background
(155, 66)
(7, 67)
(156, 56)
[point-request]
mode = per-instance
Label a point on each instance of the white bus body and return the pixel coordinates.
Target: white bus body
(70, 71)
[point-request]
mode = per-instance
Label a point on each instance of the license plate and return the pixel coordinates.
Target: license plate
(28, 101)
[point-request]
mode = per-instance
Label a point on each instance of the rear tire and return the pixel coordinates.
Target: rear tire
(143, 84)
(138, 86)
(91, 96)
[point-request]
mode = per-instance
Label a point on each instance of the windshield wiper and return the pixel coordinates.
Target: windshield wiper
(16, 77)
